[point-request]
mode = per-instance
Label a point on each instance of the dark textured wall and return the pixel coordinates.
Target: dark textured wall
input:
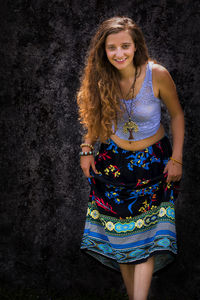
(43, 191)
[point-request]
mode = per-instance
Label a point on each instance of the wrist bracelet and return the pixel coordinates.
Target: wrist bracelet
(86, 153)
(176, 161)
(87, 145)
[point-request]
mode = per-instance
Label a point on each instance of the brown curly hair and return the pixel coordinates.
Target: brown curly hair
(98, 96)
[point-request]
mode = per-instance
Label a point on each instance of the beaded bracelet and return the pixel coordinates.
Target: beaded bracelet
(176, 161)
(86, 153)
(87, 145)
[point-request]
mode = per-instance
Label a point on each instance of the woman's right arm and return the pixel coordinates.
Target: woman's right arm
(88, 161)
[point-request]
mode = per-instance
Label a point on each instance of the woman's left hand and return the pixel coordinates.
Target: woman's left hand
(174, 171)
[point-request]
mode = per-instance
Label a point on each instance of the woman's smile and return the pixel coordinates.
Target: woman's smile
(120, 60)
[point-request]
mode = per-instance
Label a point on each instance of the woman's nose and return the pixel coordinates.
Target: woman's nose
(119, 52)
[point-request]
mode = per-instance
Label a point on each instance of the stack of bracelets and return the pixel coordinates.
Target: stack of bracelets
(87, 153)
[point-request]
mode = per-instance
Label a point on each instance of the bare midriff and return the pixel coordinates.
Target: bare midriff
(141, 144)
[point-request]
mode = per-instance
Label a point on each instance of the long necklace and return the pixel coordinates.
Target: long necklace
(130, 126)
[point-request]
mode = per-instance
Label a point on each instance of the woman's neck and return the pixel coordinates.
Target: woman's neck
(127, 73)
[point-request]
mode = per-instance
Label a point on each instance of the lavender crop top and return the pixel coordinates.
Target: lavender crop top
(146, 111)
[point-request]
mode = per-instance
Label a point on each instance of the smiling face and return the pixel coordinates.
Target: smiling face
(120, 50)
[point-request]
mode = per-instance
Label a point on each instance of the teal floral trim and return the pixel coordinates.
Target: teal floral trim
(147, 219)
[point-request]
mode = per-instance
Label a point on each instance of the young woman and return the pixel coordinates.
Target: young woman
(134, 178)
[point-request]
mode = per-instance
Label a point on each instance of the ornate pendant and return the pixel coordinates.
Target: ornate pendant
(129, 127)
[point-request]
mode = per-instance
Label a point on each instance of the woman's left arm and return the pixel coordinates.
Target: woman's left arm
(168, 94)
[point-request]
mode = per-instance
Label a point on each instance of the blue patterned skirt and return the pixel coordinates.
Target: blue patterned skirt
(131, 208)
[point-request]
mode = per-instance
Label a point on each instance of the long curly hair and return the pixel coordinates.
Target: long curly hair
(98, 96)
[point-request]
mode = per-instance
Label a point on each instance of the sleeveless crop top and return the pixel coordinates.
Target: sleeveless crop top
(146, 111)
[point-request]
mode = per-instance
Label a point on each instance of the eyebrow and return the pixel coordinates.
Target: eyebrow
(127, 43)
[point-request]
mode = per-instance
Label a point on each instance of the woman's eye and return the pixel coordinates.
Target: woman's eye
(125, 46)
(111, 48)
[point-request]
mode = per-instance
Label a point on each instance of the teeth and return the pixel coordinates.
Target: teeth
(120, 59)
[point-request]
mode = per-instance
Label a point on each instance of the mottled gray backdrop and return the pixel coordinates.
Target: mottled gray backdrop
(44, 193)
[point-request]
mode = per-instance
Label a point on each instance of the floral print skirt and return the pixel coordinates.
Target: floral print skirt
(131, 208)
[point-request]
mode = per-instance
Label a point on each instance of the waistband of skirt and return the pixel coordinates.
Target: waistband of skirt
(139, 144)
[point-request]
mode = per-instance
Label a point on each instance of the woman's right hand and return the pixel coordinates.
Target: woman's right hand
(86, 162)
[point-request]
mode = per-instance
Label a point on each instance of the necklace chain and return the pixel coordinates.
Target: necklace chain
(130, 125)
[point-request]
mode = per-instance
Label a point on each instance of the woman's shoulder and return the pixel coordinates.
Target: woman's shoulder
(159, 71)
(157, 67)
